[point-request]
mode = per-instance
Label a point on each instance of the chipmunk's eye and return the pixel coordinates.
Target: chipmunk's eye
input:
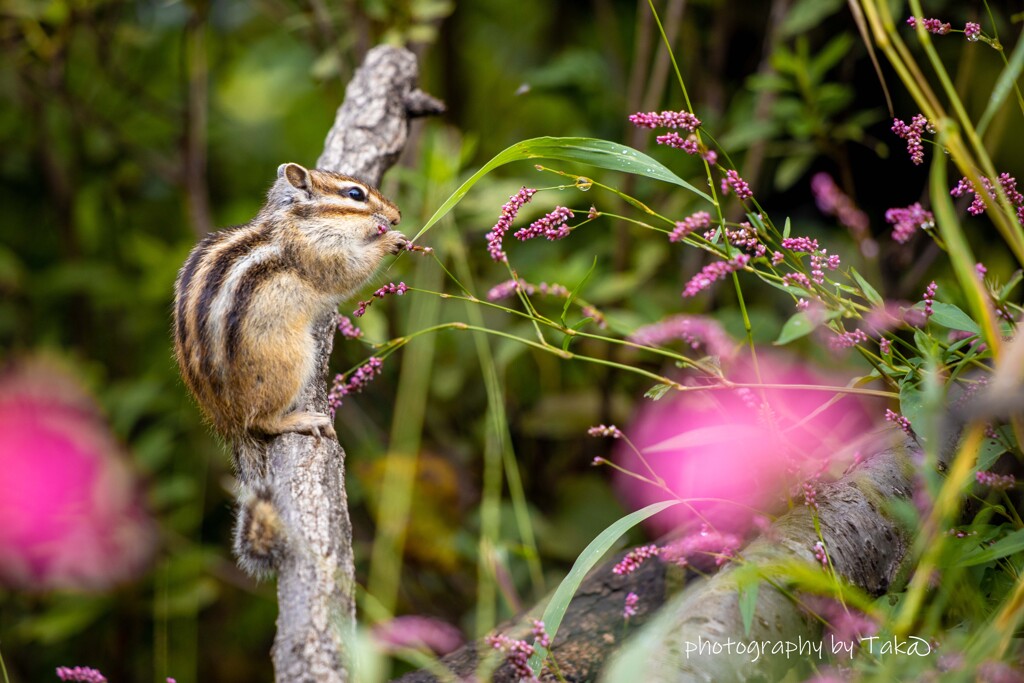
(355, 193)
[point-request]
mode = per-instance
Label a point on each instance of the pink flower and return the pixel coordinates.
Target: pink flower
(694, 330)
(508, 214)
(347, 329)
(423, 633)
(996, 482)
(703, 550)
(732, 180)
(611, 431)
(551, 226)
(674, 139)
(690, 224)
(972, 31)
(832, 201)
(714, 271)
(819, 553)
(390, 288)
(666, 119)
(907, 220)
(739, 448)
(935, 26)
(83, 674)
(929, 299)
(634, 558)
(71, 508)
(912, 134)
(800, 244)
(363, 375)
(900, 421)
(629, 610)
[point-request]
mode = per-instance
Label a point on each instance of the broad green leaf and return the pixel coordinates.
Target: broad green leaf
(590, 556)
(599, 153)
(799, 326)
(952, 317)
(870, 293)
(1010, 544)
(1007, 79)
(912, 407)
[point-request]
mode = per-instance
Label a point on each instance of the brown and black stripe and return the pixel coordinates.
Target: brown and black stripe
(213, 292)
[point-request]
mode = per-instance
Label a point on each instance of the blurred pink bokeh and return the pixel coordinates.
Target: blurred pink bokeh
(70, 513)
(745, 448)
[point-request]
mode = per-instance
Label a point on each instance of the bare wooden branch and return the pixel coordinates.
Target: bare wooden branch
(315, 571)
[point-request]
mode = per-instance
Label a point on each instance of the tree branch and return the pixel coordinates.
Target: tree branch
(313, 559)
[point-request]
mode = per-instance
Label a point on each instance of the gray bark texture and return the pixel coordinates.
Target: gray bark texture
(314, 564)
(867, 548)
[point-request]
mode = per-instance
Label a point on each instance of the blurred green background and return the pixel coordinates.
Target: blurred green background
(130, 128)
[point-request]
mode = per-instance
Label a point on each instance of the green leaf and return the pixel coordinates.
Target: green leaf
(952, 317)
(798, 325)
(1010, 544)
(870, 293)
(590, 556)
(1007, 79)
(657, 391)
(912, 407)
(786, 228)
(748, 590)
(599, 153)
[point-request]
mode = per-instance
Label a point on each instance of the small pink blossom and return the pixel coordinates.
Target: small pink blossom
(697, 221)
(906, 221)
(972, 31)
(980, 270)
(733, 181)
(610, 431)
(796, 280)
(711, 156)
(694, 330)
(82, 674)
(665, 119)
(552, 226)
(412, 631)
(508, 214)
(634, 558)
(936, 26)
(677, 141)
(929, 299)
(347, 329)
(800, 244)
(819, 553)
(847, 340)
(363, 375)
(899, 420)
(629, 610)
(884, 345)
(703, 550)
(834, 202)
(912, 133)
(390, 288)
(996, 482)
(712, 272)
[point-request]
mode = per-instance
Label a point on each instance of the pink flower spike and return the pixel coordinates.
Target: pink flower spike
(900, 421)
(348, 329)
(800, 244)
(819, 553)
(697, 221)
(696, 331)
(996, 482)
(551, 226)
(677, 141)
(972, 31)
(666, 119)
(610, 431)
(629, 610)
(712, 272)
(733, 181)
(634, 558)
(908, 220)
(929, 299)
(82, 674)
(508, 214)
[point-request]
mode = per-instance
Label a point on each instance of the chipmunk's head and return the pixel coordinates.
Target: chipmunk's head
(326, 198)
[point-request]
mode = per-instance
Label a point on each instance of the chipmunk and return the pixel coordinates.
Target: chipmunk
(247, 299)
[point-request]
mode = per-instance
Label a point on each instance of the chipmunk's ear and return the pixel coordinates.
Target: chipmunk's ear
(297, 176)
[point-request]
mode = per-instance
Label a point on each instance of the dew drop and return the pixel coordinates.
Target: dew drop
(583, 183)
